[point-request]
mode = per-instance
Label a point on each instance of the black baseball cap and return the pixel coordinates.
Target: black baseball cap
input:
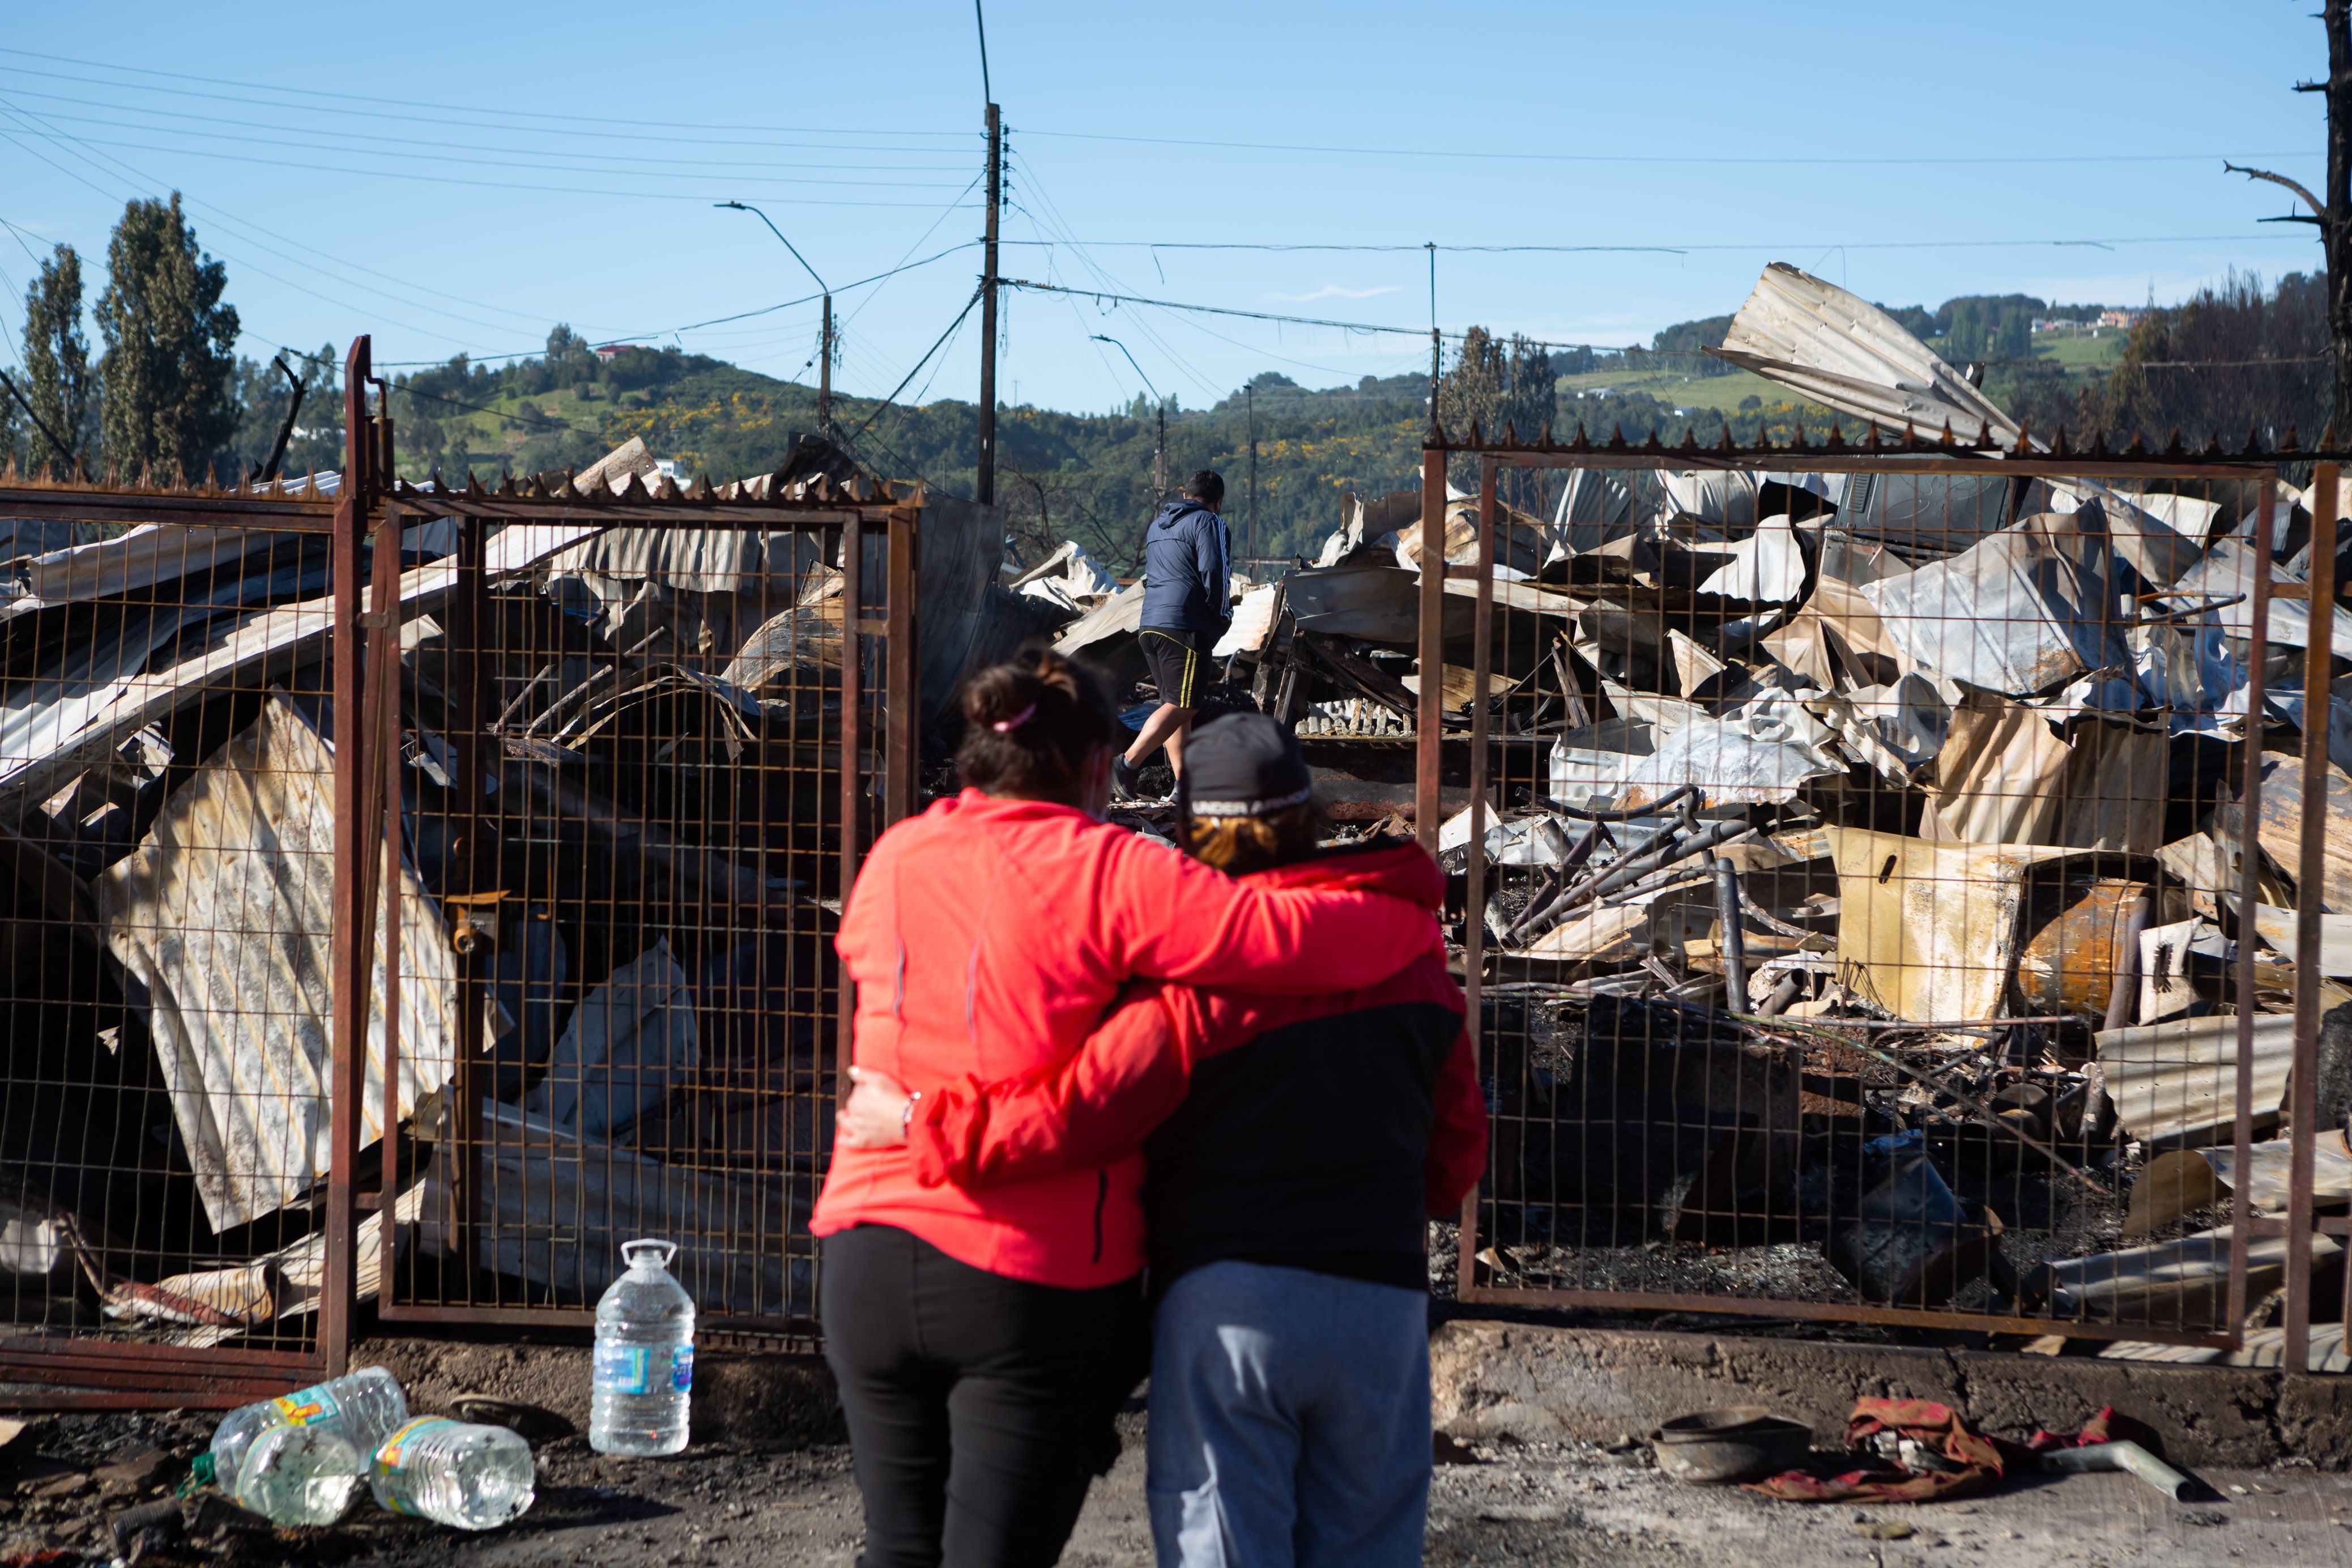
(1242, 764)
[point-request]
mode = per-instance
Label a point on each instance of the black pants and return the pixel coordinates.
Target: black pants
(980, 1407)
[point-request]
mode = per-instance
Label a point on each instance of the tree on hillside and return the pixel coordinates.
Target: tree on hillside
(169, 372)
(57, 367)
(2227, 358)
(2332, 216)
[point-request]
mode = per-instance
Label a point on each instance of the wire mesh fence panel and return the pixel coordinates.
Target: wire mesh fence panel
(1876, 876)
(169, 839)
(635, 773)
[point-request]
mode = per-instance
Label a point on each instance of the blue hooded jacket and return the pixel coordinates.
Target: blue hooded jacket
(1185, 582)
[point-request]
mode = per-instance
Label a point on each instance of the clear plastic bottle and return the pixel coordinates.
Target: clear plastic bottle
(453, 1473)
(300, 1475)
(645, 1357)
(363, 1406)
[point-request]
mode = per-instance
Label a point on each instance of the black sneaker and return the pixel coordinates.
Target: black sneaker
(1126, 779)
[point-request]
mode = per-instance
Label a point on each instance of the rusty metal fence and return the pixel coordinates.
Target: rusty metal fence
(171, 803)
(1892, 883)
(635, 781)
(415, 891)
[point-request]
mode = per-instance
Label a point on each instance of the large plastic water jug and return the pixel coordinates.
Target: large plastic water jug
(645, 1357)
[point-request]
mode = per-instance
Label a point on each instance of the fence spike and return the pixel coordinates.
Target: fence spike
(2253, 440)
(2292, 442)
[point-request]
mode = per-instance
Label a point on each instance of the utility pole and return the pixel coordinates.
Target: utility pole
(984, 485)
(824, 341)
(1435, 342)
(824, 373)
(1249, 526)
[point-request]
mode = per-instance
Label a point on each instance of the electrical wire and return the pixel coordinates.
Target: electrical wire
(374, 101)
(1654, 158)
(1665, 250)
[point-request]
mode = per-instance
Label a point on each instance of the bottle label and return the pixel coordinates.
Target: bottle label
(624, 1369)
(394, 1449)
(681, 1369)
(304, 1406)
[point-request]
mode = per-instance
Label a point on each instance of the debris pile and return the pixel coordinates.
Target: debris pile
(619, 807)
(1864, 854)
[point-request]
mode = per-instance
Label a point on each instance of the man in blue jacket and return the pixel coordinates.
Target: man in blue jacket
(1185, 611)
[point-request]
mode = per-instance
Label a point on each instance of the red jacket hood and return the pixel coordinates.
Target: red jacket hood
(1402, 871)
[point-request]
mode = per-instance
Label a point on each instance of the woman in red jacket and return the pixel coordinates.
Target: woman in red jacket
(1294, 1145)
(984, 1339)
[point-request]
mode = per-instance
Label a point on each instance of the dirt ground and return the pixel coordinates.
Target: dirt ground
(791, 1501)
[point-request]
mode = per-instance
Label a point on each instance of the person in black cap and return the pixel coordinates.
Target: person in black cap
(1185, 611)
(1293, 1147)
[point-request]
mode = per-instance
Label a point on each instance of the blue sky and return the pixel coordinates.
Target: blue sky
(457, 178)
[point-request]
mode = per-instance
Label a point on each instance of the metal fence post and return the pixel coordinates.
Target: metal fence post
(348, 982)
(2309, 878)
(1429, 751)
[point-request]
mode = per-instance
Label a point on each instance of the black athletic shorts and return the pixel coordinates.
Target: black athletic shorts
(1179, 661)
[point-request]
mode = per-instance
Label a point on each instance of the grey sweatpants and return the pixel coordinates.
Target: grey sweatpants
(1289, 1421)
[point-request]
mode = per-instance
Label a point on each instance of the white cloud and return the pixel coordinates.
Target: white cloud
(1334, 291)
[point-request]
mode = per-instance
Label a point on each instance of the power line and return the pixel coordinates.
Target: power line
(248, 122)
(378, 102)
(1658, 249)
(437, 179)
(1646, 157)
(539, 166)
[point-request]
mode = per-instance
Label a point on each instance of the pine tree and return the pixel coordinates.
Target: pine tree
(57, 367)
(170, 406)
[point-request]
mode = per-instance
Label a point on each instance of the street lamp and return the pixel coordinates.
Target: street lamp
(824, 353)
(1160, 447)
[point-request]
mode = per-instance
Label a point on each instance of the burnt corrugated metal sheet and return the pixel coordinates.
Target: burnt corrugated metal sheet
(56, 733)
(2179, 1078)
(223, 916)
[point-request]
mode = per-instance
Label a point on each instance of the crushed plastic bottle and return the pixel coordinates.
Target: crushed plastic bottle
(300, 1475)
(453, 1473)
(644, 1369)
(362, 1407)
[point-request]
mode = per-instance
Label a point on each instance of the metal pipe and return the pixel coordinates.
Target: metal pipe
(1734, 941)
(2126, 1457)
(1623, 814)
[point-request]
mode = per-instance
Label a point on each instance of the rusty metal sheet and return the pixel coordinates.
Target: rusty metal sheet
(2281, 828)
(2021, 612)
(242, 652)
(1997, 776)
(1929, 932)
(2183, 1181)
(2114, 792)
(2277, 928)
(2178, 1079)
(222, 917)
(1840, 350)
(146, 555)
